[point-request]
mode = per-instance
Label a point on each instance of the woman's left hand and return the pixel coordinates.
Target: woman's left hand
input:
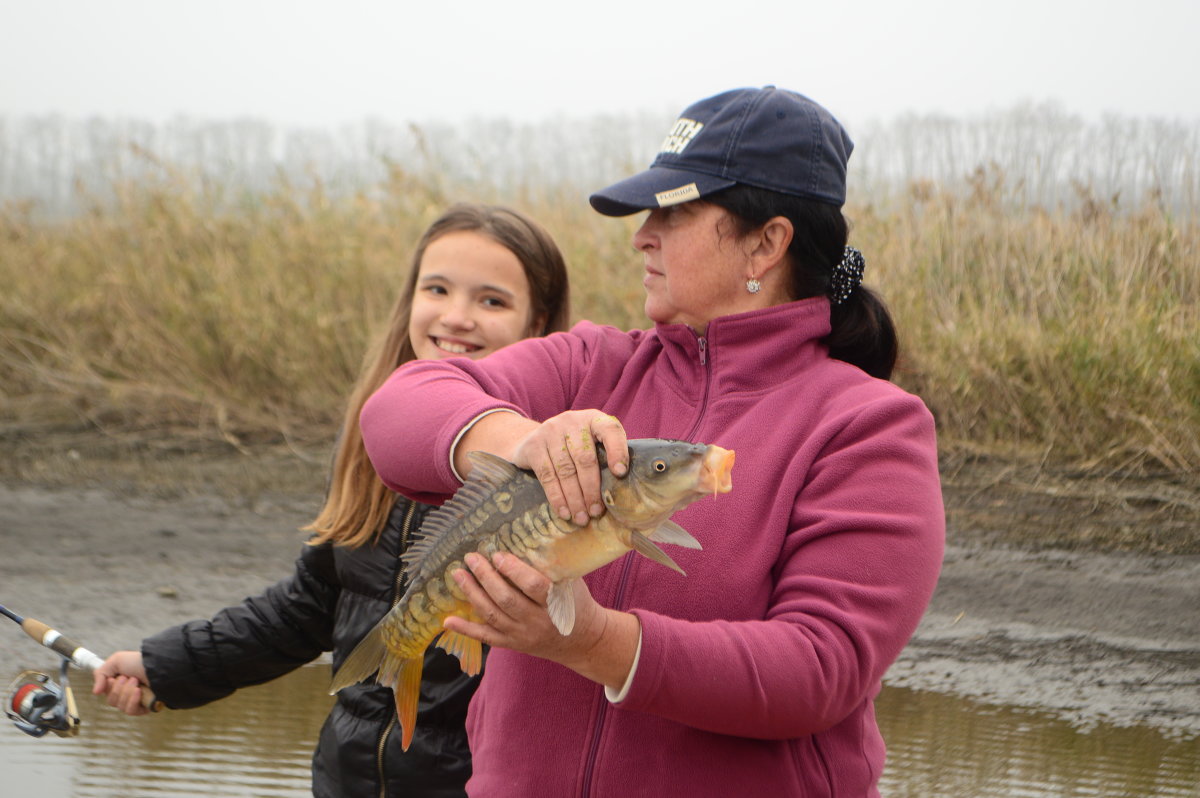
(561, 452)
(509, 596)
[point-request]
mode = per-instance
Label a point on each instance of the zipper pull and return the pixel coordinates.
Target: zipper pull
(703, 351)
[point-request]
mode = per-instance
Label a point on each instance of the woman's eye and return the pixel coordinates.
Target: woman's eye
(676, 212)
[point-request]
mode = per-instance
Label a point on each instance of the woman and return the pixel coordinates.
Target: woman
(482, 277)
(756, 673)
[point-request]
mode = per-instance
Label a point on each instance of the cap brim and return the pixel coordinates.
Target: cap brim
(657, 187)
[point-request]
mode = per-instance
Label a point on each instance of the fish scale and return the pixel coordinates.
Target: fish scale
(503, 508)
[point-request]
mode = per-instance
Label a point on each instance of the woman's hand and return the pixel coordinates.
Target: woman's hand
(121, 678)
(509, 596)
(561, 451)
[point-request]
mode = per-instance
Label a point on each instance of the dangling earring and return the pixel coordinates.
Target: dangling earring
(753, 285)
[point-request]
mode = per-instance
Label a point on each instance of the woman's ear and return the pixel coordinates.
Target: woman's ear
(771, 242)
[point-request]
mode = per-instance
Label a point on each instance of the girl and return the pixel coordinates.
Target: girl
(482, 277)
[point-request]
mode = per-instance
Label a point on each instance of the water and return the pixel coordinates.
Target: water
(941, 746)
(258, 743)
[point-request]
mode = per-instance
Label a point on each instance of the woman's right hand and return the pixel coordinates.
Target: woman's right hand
(121, 678)
(561, 452)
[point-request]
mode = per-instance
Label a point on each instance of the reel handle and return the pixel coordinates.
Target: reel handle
(79, 656)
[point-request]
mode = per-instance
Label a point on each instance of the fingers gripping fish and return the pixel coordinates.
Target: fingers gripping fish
(503, 508)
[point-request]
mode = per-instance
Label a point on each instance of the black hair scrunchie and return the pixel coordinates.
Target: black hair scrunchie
(846, 276)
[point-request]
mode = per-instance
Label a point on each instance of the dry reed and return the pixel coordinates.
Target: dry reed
(177, 302)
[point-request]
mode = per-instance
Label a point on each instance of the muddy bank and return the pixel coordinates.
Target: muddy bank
(1089, 636)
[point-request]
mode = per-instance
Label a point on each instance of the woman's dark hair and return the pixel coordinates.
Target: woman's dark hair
(862, 332)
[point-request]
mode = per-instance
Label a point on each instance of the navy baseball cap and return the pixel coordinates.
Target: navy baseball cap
(770, 138)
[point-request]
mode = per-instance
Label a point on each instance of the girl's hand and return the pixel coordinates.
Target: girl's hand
(121, 678)
(561, 451)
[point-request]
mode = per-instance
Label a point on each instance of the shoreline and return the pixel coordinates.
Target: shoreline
(1089, 637)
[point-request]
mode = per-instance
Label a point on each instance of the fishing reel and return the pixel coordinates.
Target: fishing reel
(37, 704)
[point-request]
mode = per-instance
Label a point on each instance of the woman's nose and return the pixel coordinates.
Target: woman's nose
(643, 239)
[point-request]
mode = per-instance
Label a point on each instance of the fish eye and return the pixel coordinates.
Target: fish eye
(659, 466)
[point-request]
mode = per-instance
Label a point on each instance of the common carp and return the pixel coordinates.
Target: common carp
(503, 508)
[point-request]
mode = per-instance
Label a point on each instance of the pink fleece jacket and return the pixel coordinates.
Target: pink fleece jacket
(758, 669)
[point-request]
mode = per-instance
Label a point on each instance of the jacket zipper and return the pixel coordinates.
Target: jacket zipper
(396, 594)
(703, 345)
(589, 764)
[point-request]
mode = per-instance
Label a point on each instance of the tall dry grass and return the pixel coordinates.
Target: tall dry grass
(182, 303)
(1073, 335)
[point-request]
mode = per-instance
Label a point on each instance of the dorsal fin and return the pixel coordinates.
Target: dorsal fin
(490, 468)
(488, 474)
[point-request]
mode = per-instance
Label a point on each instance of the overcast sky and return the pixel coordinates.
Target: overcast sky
(325, 63)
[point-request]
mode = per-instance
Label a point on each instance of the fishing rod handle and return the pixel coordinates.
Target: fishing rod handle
(81, 657)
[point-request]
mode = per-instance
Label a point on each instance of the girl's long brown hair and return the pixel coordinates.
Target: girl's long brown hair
(358, 503)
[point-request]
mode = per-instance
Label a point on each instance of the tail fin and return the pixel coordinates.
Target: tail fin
(365, 659)
(405, 678)
(402, 675)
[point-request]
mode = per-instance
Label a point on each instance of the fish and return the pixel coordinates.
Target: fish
(501, 507)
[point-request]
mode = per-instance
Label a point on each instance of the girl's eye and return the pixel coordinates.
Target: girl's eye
(438, 290)
(494, 302)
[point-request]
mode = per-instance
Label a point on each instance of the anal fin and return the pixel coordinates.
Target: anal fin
(468, 650)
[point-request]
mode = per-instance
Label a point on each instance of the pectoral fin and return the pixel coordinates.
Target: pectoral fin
(673, 533)
(643, 546)
(561, 605)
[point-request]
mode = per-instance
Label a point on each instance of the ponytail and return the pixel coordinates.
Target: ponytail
(862, 331)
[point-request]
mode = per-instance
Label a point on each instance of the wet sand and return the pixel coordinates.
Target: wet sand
(1088, 636)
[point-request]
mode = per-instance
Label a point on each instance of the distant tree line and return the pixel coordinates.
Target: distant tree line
(1042, 154)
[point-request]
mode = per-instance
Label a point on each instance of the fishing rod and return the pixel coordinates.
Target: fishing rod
(35, 702)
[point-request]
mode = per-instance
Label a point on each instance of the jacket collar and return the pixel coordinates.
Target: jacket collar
(750, 351)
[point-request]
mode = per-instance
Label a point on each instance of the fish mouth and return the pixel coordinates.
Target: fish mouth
(715, 468)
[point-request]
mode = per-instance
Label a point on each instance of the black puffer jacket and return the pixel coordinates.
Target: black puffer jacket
(335, 596)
